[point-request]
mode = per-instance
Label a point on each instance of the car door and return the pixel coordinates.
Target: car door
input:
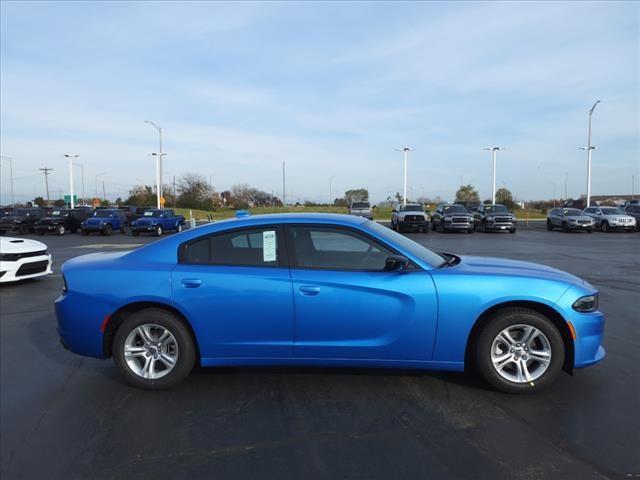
(348, 307)
(235, 289)
(556, 217)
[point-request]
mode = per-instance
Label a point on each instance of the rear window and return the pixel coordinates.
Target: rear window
(361, 205)
(255, 247)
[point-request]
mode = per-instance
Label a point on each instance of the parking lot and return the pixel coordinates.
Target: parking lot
(66, 416)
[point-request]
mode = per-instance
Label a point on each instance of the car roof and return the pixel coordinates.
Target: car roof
(332, 218)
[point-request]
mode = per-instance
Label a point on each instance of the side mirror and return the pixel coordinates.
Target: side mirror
(396, 262)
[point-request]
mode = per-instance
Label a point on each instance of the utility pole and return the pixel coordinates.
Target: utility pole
(10, 176)
(104, 192)
(71, 157)
(493, 188)
(284, 201)
(406, 150)
(589, 149)
(159, 161)
(46, 173)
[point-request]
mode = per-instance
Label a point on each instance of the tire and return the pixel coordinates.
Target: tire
(60, 230)
(565, 227)
(40, 232)
(23, 229)
(441, 227)
(433, 227)
(604, 226)
(158, 231)
(589, 230)
(549, 225)
(124, 229)
(180, 348)
(84, 232)
(512, 230)
(484, 227)
(470, 230)
(107, 230)
(490, 345)
(178, 228)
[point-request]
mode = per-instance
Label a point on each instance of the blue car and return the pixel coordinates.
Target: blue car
(157, 221)
(324, 290)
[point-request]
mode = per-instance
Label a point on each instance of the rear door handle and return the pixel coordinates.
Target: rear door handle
(309, 290)
(191, 282)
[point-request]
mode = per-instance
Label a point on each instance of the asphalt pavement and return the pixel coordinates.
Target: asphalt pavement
(65, 416)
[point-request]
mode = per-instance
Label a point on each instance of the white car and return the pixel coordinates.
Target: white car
(21, 258)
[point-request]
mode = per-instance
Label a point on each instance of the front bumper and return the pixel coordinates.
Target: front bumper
(45, 228)
(501, 225)
(580, 226)
(458, 225)
(622, 226)
(142, 228)
(94, 228)
(30, 267)
(413, 224)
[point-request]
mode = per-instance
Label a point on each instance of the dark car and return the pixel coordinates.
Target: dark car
(633, 210)
(21, 220)
(60, 221)
(132, 213)
(449, 217)
(494, 218)
(105, 221)
(470, 206)
(157, 221)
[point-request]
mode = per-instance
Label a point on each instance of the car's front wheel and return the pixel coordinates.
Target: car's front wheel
(153, 349)
(60, 230)
(159, 231)
(519, 350)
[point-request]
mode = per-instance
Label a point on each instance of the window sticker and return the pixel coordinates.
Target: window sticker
(269, 246)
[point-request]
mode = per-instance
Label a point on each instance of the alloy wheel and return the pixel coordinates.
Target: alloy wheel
(151, 351)
(521, 353)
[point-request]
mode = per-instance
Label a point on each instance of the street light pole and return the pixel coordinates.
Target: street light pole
(159, 160)
(331, 189)
(589, 149)
(406, 150)
(71, 157)
(158, 177)
(82, 169)
(493, 187)
(10, 177)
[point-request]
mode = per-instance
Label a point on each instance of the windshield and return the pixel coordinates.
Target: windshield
(454, 209)
(102, 213)
(495, 209)
(612, 211)
(152, 213)
(634, 209)
(571, 212)
(412, 248)
(360, 205)
(58, 213)
(411, 208)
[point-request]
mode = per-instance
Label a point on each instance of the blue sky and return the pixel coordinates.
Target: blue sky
(329, 88)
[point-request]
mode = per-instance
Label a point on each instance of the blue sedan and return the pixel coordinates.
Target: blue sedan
(324, 290)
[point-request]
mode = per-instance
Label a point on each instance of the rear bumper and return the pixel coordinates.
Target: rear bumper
(79, 320)
(30, 267)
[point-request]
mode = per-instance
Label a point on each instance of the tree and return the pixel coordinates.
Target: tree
(142, 196)
(194, 191)
(39, 201)
(356, 195)
(504, 197)
(466, 193)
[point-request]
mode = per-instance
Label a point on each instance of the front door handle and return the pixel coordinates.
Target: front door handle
(309, 290)
(191, 282)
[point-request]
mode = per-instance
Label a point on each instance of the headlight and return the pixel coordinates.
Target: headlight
(133, 222)
(64, 285)
(586, 304)
(491, 219)
(447, 219)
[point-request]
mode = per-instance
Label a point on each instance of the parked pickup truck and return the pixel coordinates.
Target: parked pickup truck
(361, 209)
(451, 217)
(21, 220)
(61, 220)
(410, 217)
(105, 221)
(494, 218)
(156, 222)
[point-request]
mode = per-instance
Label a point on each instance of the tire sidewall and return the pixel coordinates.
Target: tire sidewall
(503, 320)
(186, 348)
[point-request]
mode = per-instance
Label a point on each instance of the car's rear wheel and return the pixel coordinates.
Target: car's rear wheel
(519, 351)
(441, 227)
(604, 226)
(549, 225)
(565, 227)
(153, 349)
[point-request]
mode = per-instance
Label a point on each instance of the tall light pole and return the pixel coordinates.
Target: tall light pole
(331, 189)
(493, 187)
(566, 185)
(589, 149)
(95, 193)
(406, 150)
(10, 176)
(158, 177)
(82, 169)
(284, 202)
(159, 160)
(70, 158)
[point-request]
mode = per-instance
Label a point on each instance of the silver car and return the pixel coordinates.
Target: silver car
(611, 218)
(361, 209)
(569, 219)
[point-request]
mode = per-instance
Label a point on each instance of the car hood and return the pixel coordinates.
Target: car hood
(515, 268)
(579, 217)
(20, 245)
